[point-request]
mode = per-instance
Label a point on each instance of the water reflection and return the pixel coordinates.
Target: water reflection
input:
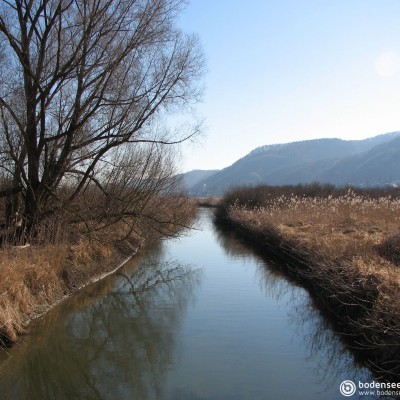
(331, 360)
(269, 276)
(116, 341)
(250, 334)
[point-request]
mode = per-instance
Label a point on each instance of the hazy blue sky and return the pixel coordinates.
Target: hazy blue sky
(286, 70)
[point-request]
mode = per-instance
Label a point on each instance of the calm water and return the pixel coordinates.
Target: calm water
(194, 318)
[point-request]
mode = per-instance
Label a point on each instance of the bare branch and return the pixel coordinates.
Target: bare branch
(90, 77)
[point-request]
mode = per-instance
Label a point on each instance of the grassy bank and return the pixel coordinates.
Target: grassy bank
(36, 276)
(341, 244)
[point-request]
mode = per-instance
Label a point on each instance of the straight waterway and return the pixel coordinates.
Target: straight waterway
(197, 318)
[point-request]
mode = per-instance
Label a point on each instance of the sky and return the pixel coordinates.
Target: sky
(289, 70)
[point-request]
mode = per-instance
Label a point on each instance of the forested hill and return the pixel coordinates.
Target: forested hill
(369, 162)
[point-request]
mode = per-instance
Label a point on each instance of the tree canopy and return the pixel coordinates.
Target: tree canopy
(83, 86)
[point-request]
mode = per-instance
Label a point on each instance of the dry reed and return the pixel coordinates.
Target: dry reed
(342, 245)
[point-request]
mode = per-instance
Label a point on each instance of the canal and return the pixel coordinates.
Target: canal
(199, 317)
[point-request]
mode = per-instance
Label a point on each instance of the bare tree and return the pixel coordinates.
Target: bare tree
(81, 80)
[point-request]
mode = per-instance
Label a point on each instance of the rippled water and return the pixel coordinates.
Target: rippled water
(195, 318)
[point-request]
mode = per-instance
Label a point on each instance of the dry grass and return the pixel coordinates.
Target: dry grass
(207, 201)
(35, 277)
(342, 245)
(28, 277)
(349, 225)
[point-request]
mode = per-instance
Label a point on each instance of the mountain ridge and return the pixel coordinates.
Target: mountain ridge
(325, 160)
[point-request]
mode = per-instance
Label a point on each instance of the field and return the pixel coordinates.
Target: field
(344, 245)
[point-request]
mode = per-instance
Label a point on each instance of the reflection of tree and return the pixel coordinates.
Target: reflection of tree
(270, 276)
(118, 346)
(232, 246)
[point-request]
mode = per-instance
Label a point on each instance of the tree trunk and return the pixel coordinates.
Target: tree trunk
(31, 217)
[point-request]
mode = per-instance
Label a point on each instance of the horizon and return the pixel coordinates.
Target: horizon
(293, 72)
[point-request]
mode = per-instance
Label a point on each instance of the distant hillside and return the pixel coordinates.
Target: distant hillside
(192, 178)
(372, 161)
(376, 167)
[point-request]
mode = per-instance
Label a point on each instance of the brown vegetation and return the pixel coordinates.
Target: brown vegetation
(344, 246)
(35, 277)
(207, 201)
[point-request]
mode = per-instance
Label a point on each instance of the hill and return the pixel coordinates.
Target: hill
(369, 162)
(192, 178)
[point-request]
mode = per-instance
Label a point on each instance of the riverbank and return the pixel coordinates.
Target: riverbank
(36, 277)
(342, 246)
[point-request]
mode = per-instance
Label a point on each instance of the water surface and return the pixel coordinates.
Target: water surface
(196, 318)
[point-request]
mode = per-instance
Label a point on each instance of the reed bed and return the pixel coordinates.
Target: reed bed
(344, 246)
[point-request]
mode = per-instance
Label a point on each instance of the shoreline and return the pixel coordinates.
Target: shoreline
(66, 286)
(93, 280)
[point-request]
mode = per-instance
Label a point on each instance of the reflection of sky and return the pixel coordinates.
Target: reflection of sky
(248, 332)
(162, 329)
